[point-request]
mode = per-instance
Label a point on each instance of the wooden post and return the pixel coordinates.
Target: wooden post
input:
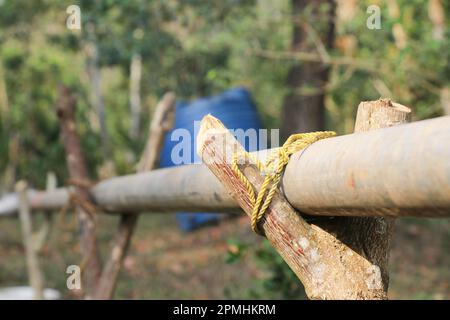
(42, 235)
(374, 234)
(76, 164)
(34, 272)
(325, 265)
(162, 122)
(370, 236)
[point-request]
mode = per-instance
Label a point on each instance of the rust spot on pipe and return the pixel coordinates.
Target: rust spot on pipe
(351, 181)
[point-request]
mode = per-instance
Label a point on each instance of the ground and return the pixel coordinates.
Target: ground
(166, 263)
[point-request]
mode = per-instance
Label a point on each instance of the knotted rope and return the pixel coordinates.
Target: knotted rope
(273, 170)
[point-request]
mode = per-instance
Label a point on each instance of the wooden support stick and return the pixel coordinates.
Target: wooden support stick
(34, 272)
(162, 122)
(43, 234)
(76, 164)
(374, 234)
(324, 264)
(370, 236)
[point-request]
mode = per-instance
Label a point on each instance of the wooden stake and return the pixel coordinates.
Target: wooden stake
(34, 272)
(43, 234)
(162, 122)
(370, 236)
(324, 264)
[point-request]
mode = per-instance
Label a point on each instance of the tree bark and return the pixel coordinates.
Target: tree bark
(303, 106)
(162, 122)
(76, 165)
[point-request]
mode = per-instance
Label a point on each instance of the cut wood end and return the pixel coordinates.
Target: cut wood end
(387, 103)
(208, 126)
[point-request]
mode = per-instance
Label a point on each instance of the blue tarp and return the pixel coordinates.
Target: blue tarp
(234, 108)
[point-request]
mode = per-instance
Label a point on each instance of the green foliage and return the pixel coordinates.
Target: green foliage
(281, 283)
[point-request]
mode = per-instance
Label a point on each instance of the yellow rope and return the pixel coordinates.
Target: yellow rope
(273, 170)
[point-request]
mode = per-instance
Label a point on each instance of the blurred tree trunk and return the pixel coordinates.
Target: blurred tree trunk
(7, 178)
(4, 104)
(445, 100)
(398, 32)
(93, 70)
(135, 94)
(76, 164)
(436, 13)
(303, 107)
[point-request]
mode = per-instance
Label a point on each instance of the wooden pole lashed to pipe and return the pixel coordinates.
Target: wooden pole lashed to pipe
(370, 237)
(325, 272)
